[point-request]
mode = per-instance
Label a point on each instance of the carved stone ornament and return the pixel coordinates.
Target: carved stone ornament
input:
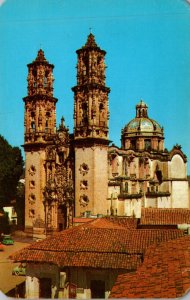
(84, 185)
(32, 170)
(32, 198)
(84, 200)
(84, 169)
(39, 223)
(51, 153)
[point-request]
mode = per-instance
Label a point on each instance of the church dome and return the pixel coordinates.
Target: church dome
(142, 123)
(142, 132)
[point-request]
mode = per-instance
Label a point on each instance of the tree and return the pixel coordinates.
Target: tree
(11, 168)
(4, 223)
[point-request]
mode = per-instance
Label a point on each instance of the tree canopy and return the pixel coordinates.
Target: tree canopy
(11, 168)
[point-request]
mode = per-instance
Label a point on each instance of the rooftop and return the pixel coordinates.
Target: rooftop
(99, 243)
(165, 216)
(161, 275)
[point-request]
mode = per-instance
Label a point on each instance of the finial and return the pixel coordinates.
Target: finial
(62, 121)
(91, 41)
(40, 56)
(62, 124)
(90, 29)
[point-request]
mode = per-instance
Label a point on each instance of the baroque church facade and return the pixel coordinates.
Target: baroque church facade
(80, 174)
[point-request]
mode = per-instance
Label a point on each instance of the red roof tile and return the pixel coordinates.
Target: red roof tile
(109, 222)
(165, 273)
(96, 239)
(81, 220)
(165, 216)
(82, 259)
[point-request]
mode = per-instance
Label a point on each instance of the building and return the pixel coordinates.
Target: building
(78, 174)
(85, 261)
(12, 215)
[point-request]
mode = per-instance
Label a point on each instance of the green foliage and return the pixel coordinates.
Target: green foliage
(4, 223)
(11, 168)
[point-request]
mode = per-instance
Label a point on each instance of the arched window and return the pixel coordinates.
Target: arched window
(45, 81)
(147, 144)
(47, 121)
(35, 80)
(133, 144)
(32, 124)
(85, 113)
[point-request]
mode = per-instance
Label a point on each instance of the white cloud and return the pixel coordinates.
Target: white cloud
(2, 1)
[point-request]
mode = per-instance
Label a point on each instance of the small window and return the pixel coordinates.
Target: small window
(133, 144)
(147, 144)
(101, 107)
(33, 126)
(45, 81)
(126, 187)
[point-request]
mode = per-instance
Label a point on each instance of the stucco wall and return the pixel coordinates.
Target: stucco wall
(180, 194)
(34, 185)
(178, 167)
(96, 176)
(80, 277)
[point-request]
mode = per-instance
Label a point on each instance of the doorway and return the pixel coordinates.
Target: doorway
(97, 289)
(62, 217)
(45, 287)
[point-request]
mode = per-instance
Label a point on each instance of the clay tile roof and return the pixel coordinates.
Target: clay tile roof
(165, 216)
(114, 223)
(109, 222)
(81, 220)
(127, 222)
(165, 273)
(87, 244)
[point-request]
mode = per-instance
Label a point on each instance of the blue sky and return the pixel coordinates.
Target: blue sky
(148, 57)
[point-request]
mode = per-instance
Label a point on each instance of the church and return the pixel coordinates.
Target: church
(81, 174)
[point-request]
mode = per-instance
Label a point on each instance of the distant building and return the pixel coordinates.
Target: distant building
(12, 215)
(81, 174)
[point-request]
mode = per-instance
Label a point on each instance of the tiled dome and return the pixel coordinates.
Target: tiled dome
(142, 123)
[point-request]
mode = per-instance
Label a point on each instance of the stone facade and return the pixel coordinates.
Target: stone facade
(71, 175)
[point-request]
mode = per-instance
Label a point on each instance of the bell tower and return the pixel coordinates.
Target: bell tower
(40, 115)
(91, 117)
(40, 129)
